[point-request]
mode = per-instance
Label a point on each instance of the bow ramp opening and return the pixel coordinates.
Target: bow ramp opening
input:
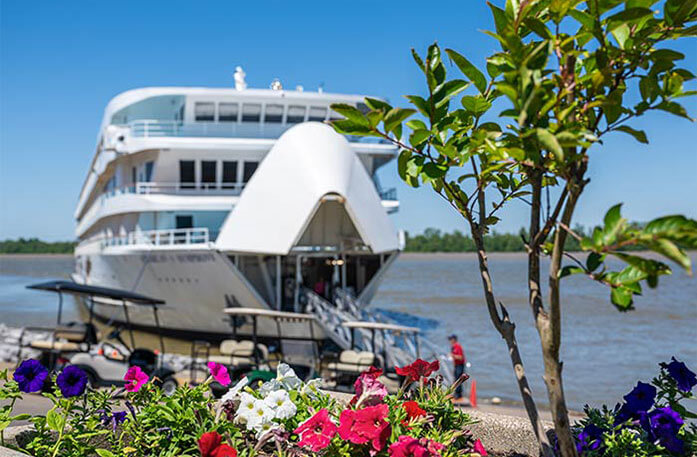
(310, 219)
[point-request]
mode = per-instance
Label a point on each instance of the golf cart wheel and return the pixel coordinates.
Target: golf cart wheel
(169, 386)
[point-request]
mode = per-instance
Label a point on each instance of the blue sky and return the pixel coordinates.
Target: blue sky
(61, 62)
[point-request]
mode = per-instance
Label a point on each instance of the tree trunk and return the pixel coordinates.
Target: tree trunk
(506, 329)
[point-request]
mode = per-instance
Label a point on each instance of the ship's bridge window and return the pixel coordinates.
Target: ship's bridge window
(295, 114)
(274, 114)
(248, 171)
(208, 174)
(227, 112)
(187, 178)
(251, 112)
(204, 111)
(317, 113)
(229, 174)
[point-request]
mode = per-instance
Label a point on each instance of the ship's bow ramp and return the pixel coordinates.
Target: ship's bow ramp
(310, 192)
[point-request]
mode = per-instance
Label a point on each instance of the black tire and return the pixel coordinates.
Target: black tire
(169, 386)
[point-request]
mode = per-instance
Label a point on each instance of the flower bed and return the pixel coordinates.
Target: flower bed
(284, 417)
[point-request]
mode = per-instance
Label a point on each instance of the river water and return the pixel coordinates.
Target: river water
(604, 352)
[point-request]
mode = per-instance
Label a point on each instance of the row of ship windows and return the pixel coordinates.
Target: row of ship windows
(252, 112)
(209, 171)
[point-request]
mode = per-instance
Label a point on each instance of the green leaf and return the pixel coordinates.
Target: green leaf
(630, 14)
(4, 424)
(622, 298)
(396, 116)
(421, 105)
(469, 70)
(569, 270)
(419, 136)
(434, 171)
(585, 19)
(621, 33)
(418, 60)
(549, 142)
(477, 105)
(638, 135)
(448, 90)
(374, 103)
(54, 420)
(351, 113)
(104, 453)
(416, 124)
(350, 127)
(593, 261)
(673, 107)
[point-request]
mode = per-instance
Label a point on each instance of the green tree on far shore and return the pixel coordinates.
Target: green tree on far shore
(36, 246)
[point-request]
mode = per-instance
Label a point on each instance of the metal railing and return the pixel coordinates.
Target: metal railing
(176, 188)
(167, 237)
(155, 129)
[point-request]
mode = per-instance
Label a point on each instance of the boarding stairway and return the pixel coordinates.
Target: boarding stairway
(346, 308)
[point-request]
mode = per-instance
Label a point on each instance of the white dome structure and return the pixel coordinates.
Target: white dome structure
(311, 191)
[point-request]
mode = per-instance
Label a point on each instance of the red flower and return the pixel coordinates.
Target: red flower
(316, 432)
(366, 425)
(209, 445)
(413, 411)
(479, 448)
(417, 370)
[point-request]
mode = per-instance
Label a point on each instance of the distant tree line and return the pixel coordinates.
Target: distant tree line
(36, 246)
(433, 240)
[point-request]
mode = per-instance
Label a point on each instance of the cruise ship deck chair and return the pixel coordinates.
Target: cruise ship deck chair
(240, 353)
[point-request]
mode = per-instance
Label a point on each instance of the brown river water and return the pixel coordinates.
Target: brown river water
(604, 352)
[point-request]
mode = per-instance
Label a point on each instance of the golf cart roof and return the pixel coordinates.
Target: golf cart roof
(269, 313)
(95, 291)
(380, 326)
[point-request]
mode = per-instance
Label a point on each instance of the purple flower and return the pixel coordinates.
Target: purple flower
(72, 381)
(30, 375)
(589, 439)
(685, 378)
(114, 419)
(665, 425)
(641, 398)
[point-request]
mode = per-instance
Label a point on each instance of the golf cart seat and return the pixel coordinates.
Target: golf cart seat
(66, 338)
(239, 353)
(61, 346)
(354, 362)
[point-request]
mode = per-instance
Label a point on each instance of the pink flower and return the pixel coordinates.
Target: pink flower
(316, 432)
(479, 448)
(369, 391)
(135, 378)
(219, 373)
(406, 446)
(366, 425)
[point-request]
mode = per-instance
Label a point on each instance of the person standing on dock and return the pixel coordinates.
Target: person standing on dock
(458, 356)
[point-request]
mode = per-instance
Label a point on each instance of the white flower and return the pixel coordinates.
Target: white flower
(260, 414)
(231, 394)
(311, 388)
(246, 408)
(287, 377)
(269, 386)
(281, 404)
(264, 427)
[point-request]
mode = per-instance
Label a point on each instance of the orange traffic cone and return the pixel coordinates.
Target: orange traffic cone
(473, 393)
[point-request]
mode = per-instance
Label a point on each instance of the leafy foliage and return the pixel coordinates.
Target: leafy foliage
(36, 246)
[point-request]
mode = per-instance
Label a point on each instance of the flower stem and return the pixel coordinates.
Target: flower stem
(62, 430)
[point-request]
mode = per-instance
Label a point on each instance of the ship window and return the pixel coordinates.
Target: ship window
(148, 171)
(249, 169)
(227, 112)
(251, 112)
(187, 179)
(229, 174)
(184, 222)
(296, 114)
(274, 113)
(204, 111)
(208, 177)
(317, 113)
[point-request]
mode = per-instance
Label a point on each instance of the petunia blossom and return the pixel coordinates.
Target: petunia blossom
(406, 446)
(479, 448)
(641, 398)
(210, 446)
(317, 432)
(413, 411)
(135, 378)
(30, 376)
(367, 425)
(417, 370)
(682, 375)
(72, 381)
(665, 423)
(369, 391)
(234, 391)
(281, 404)
(219, 373)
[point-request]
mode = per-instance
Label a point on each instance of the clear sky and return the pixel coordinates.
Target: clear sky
(61, 62)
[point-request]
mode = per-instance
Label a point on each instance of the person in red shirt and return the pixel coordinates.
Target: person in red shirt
(458, 356)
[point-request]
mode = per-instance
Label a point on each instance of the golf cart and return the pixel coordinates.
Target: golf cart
(245, 357)
(106, 363)
(375, 337)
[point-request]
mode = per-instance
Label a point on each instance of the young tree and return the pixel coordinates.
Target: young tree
(562, 77)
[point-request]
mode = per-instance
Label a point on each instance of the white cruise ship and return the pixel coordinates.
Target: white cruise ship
(217, 197)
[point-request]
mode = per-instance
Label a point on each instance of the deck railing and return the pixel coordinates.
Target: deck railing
(167, 237)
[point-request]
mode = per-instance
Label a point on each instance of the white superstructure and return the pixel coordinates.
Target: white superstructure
(215, 197)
